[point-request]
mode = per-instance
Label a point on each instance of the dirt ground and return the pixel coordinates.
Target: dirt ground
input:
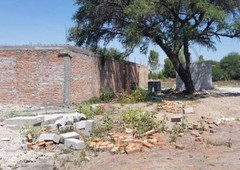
(218, 149)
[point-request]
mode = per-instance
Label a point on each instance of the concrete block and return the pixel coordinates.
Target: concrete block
(176, 118)
(13, 127)
(51, 126)
(51, 118)
(49, 137)
(21, 121)
(89, 127)
(188, 110)
(69, 135)
(80, 125)
(61, 122)
(74, 143)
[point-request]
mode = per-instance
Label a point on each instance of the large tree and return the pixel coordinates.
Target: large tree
(171, 24)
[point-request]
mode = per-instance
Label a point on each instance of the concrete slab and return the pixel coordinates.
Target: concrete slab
(49, 137)
(80, 125)
(21, 121)
(188, 110)
(74, 144)
(51, 118)
(68, 135)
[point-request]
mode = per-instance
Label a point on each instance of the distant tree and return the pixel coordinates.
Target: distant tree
(217, 72)
(168, 70)
(201, 59)
(170, 24)
(153, 63)
(230, 64)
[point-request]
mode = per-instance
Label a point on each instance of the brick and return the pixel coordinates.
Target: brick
(150, 132)
(74, 143)
(68, 135)
(89, 127)
(49, 137)
(29, 138)
(188, 110)
(114, 150)
(147, 144)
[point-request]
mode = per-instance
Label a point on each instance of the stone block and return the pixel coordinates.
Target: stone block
(176, 118)
(74, 143)
(81, 124)
(188, 110)
(25, 120)
(89, 127)
(68, 135)
(51, 118)
(49, 137)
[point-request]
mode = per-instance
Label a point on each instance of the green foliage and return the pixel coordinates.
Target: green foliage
(169, 24)
(109, 53)
(152, 75)
(169, 70)
(135, 96)
(178, 128)
(106, 95)
(92, 100)
(153, 62)
(141, 121)
(230, 64)
(88, 110)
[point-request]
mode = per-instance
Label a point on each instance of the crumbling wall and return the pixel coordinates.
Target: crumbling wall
(201, 76)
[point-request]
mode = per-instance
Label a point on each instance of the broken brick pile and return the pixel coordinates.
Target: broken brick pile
(171, 107)
(126, 143)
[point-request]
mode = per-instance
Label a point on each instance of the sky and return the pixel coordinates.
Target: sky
(33, 22)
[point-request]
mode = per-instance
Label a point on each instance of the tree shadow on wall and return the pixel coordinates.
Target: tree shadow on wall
(118, 75)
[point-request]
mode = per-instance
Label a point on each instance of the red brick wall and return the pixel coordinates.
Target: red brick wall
(31, 77)
(36, 76)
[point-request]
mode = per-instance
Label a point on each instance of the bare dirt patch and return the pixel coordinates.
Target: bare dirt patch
(214, 147)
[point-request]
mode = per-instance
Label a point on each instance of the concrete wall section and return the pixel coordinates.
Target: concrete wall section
(201, 76)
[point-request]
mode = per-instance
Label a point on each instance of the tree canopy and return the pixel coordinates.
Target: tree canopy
(171, 24)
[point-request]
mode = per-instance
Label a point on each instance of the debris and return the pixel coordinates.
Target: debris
(89, 127)
(213, 131)
(188, 110)
(68, 135)
(147, 144)
(5, 139)
(176, 118)
(21, 121)
(80, 125)
(49, 137)
(29, 138)
(74, 143)
(150, 132)
(181, 147)
(171, 107)
(114, 150)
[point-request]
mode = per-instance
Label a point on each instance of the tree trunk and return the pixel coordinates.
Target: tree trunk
(184, 73)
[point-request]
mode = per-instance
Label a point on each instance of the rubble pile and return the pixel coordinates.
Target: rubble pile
(125, 142)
